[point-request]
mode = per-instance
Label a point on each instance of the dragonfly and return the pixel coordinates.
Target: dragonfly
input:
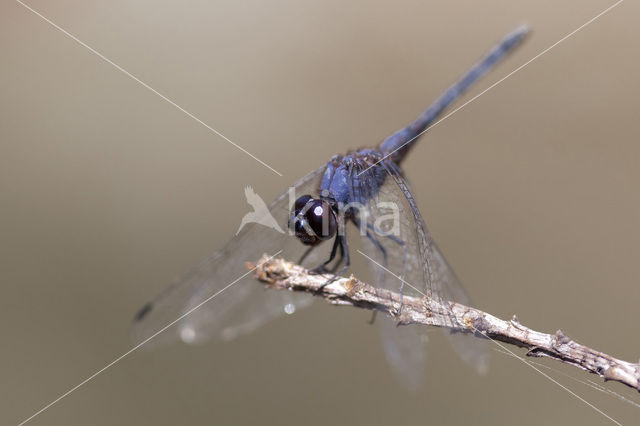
(319, 212)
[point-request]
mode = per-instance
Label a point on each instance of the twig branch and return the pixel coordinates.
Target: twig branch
(282, 275)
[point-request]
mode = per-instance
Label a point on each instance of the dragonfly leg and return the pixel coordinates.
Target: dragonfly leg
(305, 254)
(323, 269)
(398, 241)
(339, 261)
(340, 242)
(379, 246)
(344, 255)
(384, 263)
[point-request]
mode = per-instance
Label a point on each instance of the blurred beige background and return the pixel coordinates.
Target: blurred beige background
(107, 193)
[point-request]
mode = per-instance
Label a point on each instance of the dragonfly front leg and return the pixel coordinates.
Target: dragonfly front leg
(344, 255)
(323, 269)
(337, 245)
(341, 240)
(305, 254)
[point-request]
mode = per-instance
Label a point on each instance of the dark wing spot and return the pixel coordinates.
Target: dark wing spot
(143, 312)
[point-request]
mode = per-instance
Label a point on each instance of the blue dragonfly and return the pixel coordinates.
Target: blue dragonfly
(366, 188)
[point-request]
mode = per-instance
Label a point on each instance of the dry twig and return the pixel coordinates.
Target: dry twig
(283, 275)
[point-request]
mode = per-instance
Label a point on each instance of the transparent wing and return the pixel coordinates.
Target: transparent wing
(242, 306)
(474, 351)
(405, 351)
(389, 238)
(409, 254)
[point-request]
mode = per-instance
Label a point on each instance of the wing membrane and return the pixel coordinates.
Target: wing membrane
(243, 306)
(413, 257)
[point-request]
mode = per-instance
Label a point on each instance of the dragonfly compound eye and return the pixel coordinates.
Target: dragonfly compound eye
(313, 220)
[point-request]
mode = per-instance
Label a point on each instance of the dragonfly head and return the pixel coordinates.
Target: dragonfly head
(312, 220)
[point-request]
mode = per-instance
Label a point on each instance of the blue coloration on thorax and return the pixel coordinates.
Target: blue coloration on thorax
(353, 178)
